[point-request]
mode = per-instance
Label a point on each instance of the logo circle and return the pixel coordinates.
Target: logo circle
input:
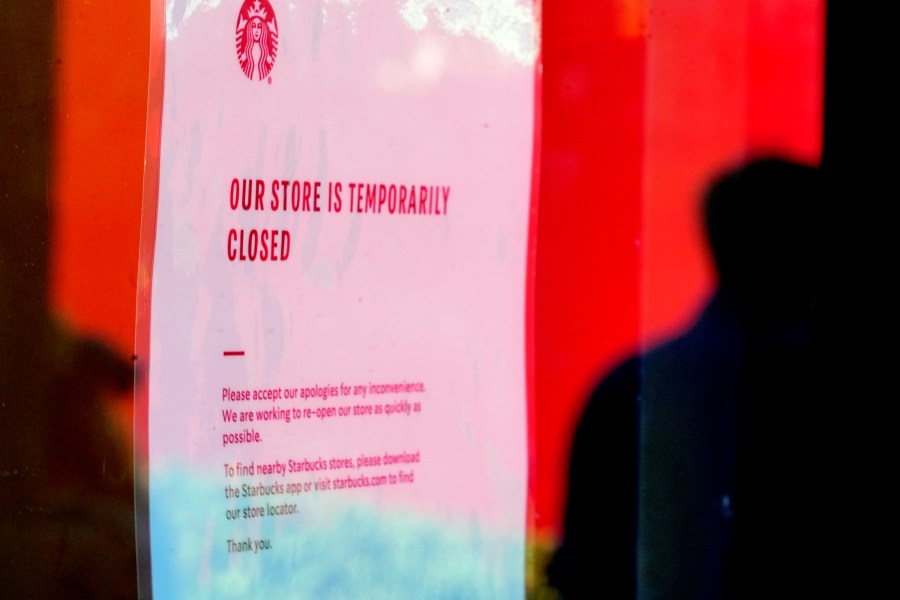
(256, 39)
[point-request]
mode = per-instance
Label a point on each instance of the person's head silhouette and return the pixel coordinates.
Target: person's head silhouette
(763, 229)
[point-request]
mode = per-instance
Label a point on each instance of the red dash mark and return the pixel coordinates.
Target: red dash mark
(233, 353)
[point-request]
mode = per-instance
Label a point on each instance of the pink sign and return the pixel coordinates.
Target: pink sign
(336, 392)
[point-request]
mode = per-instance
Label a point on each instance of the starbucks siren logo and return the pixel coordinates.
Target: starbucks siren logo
(256, 38)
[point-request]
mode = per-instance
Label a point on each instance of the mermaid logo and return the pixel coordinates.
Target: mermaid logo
(256, 38)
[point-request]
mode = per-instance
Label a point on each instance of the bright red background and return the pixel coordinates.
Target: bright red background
(642, 100)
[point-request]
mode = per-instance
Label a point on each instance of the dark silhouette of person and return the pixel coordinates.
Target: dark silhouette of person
(696, 468)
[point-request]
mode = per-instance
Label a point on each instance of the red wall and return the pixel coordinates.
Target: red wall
(643, 101)
(589, 218)
(101, 108)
